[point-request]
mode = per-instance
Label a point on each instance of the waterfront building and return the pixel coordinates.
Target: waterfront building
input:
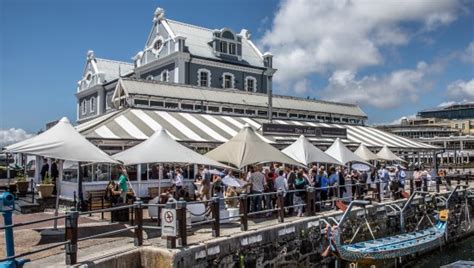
(203, 85)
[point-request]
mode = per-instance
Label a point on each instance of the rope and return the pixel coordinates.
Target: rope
(199, 215)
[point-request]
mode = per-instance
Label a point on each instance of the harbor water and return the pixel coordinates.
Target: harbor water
(460, 250)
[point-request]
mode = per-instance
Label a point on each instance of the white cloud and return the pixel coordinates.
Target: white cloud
(13, 135)
(468, 53)
(309, 37)
(385, 91)
(461, 90)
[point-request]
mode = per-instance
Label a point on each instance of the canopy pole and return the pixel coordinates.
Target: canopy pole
(58, 193)
(79, 186)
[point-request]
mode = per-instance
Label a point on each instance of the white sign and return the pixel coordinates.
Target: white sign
(168, 222)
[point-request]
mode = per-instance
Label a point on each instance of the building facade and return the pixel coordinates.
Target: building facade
(177, 53)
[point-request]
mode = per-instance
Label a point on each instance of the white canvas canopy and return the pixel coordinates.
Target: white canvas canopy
(303, 151)
(365, 153)
(386, 154)
(340, 152)
(62, 142)
(246, 148)
(161, 148)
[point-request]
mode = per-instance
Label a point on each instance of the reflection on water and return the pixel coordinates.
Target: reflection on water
(460, 250)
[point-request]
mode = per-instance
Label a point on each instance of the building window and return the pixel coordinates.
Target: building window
(149, 77)
(250, 84)
(84, 108)
(92, 107)
(157, 45)
(187, 107)
(232, 48)
(204, 78)
(171, 105)
(213, 109)
(156, 104)
(227, 110)
(223, 45)
(228, 80)
(165, 76)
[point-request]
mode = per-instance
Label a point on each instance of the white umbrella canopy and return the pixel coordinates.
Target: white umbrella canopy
(161, 148)
(303, 151)
(340, 152)
(62, 141)
(365, 153)
(246, 148)
(388, 155)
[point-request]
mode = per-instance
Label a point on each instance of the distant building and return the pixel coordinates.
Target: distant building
(455, 111)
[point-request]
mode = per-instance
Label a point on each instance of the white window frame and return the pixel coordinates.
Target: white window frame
(208, 76)
(83, 107)
(92, 103)
(247, 78)
(167, 76)
(232, 82)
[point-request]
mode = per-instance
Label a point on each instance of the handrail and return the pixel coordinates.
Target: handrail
(33, 222)
(451, 195)
(349, 208)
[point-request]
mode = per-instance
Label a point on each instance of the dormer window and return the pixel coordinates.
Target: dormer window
(165, 76)
(228, 80)
(92, 106)
(84, 108)
(227, 43)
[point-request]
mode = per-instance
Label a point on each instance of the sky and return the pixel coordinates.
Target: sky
(393, 58)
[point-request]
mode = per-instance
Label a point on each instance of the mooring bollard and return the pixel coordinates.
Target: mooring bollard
(310, 201)
(216, 216)
(71, 236)
(281, 205)
(243, 212)
(181, 214)
(139, 223)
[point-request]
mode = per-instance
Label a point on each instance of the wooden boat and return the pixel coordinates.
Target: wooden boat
(394, 246)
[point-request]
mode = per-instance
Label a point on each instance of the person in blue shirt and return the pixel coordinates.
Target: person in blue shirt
(322, 178)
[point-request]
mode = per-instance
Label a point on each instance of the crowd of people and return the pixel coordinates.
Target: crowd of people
(331, 183)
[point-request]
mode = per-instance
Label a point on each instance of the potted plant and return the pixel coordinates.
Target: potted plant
(46, 187)
(22, 184)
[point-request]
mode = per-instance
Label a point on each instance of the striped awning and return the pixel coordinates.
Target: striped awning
(139, 124)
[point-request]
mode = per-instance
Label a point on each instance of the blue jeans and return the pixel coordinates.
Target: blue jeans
(256, 201)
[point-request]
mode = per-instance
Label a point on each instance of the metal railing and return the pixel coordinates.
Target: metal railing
(280, 203)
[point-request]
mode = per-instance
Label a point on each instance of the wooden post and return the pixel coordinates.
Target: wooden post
(281, 206)
(181, 215)
(215, 216)
(71, 236)
(243, 212)
(438, 182)
(379, 191)
(139, 221)
(412, 186)
(310, 201)
(317, 207)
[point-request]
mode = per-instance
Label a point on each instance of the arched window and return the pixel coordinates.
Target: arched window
(250, 84)
(150, 77)
(164, 76)
(92, 105)
(228, 80)
(204, 78)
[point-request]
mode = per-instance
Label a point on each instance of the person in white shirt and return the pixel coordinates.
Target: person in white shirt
(281, 182)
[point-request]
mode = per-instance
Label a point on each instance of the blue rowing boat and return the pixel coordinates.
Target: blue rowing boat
(394, 246)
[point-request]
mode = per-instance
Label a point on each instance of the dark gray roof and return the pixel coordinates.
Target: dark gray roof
(198, 38)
